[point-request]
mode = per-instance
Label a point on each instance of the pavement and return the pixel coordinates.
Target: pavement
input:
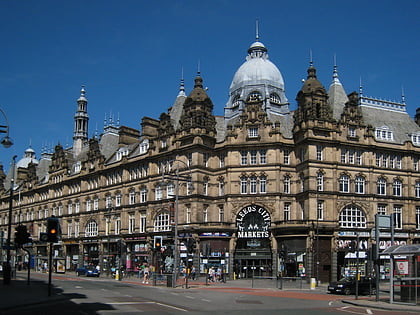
(19, 293)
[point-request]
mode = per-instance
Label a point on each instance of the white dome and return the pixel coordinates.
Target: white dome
(257, 71)
(29, 157)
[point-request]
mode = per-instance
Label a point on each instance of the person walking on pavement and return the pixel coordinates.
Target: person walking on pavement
(146, 272)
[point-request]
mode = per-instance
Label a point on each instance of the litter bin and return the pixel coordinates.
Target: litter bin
(169, 281)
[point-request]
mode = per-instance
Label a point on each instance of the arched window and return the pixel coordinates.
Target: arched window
(162, 222)
(359, 185)
(352, 217)
(344, 183)
(381, 186)
(397, 188)
(91, 229)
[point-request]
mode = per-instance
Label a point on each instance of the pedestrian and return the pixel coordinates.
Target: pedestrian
(146, 272)
(193, 272)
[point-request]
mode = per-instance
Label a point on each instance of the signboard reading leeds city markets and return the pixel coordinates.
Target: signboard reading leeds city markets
(253, 222)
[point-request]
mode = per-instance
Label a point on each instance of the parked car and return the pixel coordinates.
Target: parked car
(88, 271)
(348, 286)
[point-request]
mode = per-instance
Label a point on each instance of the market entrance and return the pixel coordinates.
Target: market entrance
(253, 255)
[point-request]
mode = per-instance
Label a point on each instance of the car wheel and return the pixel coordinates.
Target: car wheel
(347, 291)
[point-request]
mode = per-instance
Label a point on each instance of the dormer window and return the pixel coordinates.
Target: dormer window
(352, 132)
(236, 101)
(384, 133)
(120, 153)
(415, 138)
(253, 132)
(254, 97)
(144, 146)
(274, 98)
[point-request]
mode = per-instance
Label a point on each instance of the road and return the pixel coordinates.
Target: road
(80, 295)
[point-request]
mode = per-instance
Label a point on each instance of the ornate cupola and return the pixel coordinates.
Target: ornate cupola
(197, 115)
(312, 100)
(81, 118)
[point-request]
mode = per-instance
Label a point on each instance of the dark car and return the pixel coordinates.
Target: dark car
(88, 271)
(348, 286)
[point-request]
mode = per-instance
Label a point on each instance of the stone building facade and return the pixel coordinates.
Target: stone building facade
(263, 190)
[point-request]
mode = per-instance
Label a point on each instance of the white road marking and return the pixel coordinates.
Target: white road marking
(205, 300)
(156, 303)
(189, 297)
(369, 311)
(78, 287)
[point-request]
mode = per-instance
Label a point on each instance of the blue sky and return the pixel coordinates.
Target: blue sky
(130, 55)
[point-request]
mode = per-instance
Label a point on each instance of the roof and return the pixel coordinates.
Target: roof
(402, 250)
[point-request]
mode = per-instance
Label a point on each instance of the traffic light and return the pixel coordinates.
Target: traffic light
(53, 230)
(21, 235)
(157, 243)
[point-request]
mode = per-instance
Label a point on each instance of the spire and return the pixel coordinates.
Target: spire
(181, 86)
(81, 119)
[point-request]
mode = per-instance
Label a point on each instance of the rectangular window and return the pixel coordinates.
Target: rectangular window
(253, 185)
(69, 230)
(244, 157)
(117, 225)
(77, 207)
(205, 188)
(221, 214)
(286, 156)
(243, 185)
(320, 210)
(417, 218)
(397, 217)
(70, 209)
(221, 188)
(253, 159)
(253, 132)
(319, 150)
(352, 132)
(132, 198)
(118, 200)
(263, 157)
(206, 159)
(143, 195)
(88, 205)
(131, 223)
(108, 202)
(188, 215)
(142, 228)
(286, 185)
(286, 212)
(351, 156)
(343, 156)
(359, 159)
(263, 184)
(222, 160)
(205, 213)
(76, 229)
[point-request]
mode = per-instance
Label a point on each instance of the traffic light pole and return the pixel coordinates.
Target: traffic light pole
(50, 268)
(7, 267)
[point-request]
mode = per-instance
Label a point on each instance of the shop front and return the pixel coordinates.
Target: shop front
(253, 253)
(214, 251)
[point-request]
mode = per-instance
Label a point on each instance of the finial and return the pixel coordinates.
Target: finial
(335, 73)
(257, 36)
(402, 95)
(360, 88)
(198, 67)
(82, 91)
(311, 61)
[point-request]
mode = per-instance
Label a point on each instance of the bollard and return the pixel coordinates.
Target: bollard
(313, 283)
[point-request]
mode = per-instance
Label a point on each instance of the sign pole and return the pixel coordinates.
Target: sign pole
(50, 269)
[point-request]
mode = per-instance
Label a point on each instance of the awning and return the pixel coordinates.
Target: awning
(413, 249)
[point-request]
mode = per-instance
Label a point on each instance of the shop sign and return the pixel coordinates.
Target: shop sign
(253, 222)
(215, 234)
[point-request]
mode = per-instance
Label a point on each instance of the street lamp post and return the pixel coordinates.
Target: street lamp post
(7, 268)
(6, 141)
